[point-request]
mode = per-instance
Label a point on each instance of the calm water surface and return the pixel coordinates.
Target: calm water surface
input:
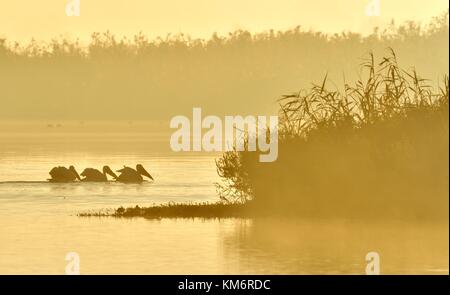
(39, 223)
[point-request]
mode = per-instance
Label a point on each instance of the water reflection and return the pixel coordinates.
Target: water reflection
(38, 244)
(39, 224)
(333, 247)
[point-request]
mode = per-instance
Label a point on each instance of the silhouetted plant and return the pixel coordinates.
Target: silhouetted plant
(373, 144)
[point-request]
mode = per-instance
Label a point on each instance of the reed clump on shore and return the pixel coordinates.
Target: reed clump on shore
(374, 149)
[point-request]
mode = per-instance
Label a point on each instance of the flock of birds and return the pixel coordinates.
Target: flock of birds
(127, 174)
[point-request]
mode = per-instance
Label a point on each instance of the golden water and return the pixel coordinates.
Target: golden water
(39, 226)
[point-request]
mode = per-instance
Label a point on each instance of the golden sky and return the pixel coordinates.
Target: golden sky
(43, 19)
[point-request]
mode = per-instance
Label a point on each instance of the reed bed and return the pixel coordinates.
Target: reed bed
(237, 73)
(375, 148)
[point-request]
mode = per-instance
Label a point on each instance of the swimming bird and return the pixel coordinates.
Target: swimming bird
(94, 175)
(62, 174)
(129, 175)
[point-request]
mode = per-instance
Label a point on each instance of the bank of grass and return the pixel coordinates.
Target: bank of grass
(180, 210)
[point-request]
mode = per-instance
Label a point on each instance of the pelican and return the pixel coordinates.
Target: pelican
(129, 175)
(62, 174)
(94, 175)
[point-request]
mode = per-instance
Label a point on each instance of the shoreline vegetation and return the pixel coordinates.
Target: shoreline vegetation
(238, 73)
(180, 210)
(377, 149)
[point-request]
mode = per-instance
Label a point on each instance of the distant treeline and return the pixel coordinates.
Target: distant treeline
(242, 73)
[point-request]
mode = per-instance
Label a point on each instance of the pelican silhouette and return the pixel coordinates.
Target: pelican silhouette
(62, 174)
(129, 175)
(94, 175)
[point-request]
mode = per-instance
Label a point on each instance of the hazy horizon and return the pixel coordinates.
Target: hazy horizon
(200, 18)
(243, 69)
(243, 73)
